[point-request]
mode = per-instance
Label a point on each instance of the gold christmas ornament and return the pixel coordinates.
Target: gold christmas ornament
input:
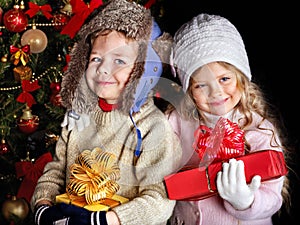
(93, 176)
(15, 209)
(36, 39)
(4, 59)
(22, 5)
(59, 58)
(51, 138)
(67, 9)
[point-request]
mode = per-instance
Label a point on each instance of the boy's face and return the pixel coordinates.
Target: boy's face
(214, 89)
(110, 64)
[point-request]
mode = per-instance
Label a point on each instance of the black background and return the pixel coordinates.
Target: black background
(269, 33)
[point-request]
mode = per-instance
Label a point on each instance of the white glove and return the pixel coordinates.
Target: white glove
(232, 186)
(73, 119)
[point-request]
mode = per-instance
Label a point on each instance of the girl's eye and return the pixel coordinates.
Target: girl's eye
(223, 79)
(228, 76)
(199, 85)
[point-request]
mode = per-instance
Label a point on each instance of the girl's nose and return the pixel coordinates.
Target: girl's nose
(215, 90)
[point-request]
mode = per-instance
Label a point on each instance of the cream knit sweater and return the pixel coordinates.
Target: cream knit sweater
(141, 183)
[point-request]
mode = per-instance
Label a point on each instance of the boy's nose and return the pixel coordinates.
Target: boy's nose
(103, 69)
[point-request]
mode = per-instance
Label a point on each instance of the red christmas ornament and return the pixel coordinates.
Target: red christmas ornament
(60, 20)
(28, 123)
(55, 97)
(3, 147)
(15, 20)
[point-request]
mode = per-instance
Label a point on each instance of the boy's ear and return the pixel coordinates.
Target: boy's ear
(162, 47)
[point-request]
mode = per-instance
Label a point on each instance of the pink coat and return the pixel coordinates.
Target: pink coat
(214, 210)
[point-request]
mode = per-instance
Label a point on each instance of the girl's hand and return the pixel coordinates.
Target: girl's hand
(232, 186)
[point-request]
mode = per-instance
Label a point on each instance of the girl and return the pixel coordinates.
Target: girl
(211, 62)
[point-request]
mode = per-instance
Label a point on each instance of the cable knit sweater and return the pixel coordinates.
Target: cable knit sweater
(214, 210)
(141, 183)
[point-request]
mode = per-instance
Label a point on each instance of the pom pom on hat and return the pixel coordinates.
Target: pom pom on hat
(205, 39)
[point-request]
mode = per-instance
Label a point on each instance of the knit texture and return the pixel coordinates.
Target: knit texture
(204, 39)
(142, 182)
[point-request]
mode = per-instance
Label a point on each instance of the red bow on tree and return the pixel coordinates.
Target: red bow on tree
(230, 143)
(35, 8)
(149, 4)
(25, 96)
(31, 173)
(81, 11)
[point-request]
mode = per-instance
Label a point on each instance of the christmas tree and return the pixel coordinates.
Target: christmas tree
(35, 41)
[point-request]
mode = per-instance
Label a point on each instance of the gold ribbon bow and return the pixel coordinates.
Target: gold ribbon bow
(19, 54)
(93, 176)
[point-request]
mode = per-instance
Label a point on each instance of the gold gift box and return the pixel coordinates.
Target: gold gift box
(22, 73)
(105, 205)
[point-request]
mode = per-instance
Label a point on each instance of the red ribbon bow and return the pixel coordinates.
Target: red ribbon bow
(81, 11)
(14, 49)
(31, 173)
(232, 143)
(25, 96)
(35, 8)
(19, 54)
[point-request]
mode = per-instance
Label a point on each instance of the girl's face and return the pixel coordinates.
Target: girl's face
(214, 89)
(110, 64)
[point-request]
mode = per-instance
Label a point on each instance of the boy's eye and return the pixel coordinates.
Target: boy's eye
(95, 59)
(120, 61)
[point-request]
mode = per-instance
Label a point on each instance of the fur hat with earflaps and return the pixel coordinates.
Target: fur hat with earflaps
(136, 22)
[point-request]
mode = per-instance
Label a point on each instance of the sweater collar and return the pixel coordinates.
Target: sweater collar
(105, 106)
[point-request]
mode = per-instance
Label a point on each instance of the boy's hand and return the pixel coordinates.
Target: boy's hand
(72, 119)
(78, 215)
(47, 215)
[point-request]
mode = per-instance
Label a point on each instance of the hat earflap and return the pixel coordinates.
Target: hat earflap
(152, 71)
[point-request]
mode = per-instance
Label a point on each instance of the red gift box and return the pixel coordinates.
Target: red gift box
(199, 183)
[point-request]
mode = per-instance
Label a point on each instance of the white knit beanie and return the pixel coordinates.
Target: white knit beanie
(204, 39)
